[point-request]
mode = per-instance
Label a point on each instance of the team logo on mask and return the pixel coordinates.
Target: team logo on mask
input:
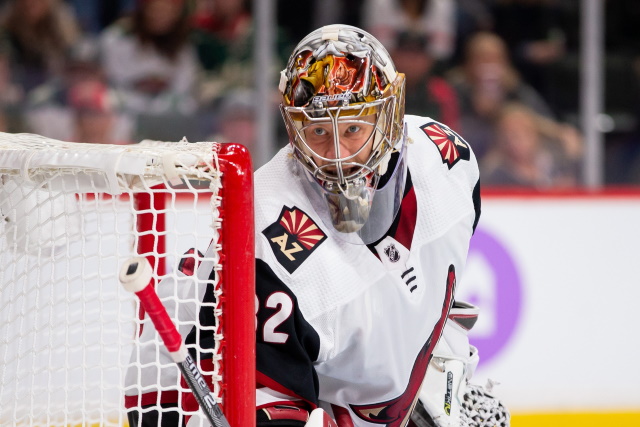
(293, 237)
(451, 146)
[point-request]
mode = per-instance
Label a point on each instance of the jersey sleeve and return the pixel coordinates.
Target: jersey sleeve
(449, 155)
(286, 344)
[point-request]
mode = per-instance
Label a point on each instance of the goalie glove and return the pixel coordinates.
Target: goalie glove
(479, 408)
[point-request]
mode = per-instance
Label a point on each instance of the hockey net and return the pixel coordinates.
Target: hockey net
(71, 213)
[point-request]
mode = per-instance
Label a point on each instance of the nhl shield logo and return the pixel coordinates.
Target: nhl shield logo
(392, 252)
(451, 146)
(293, 237)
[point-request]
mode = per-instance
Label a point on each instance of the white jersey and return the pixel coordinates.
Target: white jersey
(348, 327)
(353, 327)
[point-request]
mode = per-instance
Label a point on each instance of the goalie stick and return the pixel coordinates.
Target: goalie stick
(136, 277)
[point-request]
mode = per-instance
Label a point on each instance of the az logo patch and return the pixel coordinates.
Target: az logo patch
(452, 147)
(293, 237)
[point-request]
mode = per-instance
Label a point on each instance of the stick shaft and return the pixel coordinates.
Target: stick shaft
(136, 276)
(160, 318)
(201, 391)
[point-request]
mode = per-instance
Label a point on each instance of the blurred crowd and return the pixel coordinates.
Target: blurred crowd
(503, 73)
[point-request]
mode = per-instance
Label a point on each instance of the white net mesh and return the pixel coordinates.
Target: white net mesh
(69, 217)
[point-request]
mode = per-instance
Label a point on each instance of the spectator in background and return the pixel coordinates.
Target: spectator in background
(484, 82)
(224, 31)
(531, 151)
(11, 97)
(534, 31)
(37, 33)
(326, 12)
(237, 121)
(225, 34)
(4, 127)
(148, 59)
(51, 108)
(426, 94)
(623, 165)
(11, 93)
(94, 115)
(435, 19)
(228, 20)
(472, 16)
(297, 18)
(95, 15)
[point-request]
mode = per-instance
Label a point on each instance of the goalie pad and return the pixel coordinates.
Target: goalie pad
(446, 396)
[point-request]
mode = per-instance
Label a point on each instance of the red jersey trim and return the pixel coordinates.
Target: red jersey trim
(295, 403)
(407, 222)
(396, 412)
(265, 381)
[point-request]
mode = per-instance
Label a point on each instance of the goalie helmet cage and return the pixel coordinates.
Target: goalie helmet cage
(70, 335)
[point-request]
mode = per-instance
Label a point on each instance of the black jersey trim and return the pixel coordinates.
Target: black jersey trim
(477, 204)
(288, 363)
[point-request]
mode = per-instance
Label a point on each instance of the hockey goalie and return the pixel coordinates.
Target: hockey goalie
(363, 225)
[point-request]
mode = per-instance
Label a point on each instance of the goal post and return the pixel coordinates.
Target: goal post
(70, 215)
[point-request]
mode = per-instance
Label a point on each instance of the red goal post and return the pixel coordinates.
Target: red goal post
(71, 214)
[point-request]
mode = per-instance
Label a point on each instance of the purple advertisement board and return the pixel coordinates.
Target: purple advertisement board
(506, 308)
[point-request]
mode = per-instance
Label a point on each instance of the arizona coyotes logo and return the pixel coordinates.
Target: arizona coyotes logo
(293, 237)
(452, 147)
(396, 412)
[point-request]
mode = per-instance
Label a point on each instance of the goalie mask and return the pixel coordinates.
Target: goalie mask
(343, 107)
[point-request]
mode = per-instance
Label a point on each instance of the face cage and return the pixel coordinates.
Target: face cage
(385, 135)
(364, 214)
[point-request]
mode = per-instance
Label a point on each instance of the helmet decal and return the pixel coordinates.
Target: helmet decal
(322, 72)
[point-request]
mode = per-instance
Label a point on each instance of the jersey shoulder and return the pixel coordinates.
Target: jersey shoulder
(441, 149)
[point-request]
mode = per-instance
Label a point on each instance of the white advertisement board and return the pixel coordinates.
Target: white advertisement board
(558, 283)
